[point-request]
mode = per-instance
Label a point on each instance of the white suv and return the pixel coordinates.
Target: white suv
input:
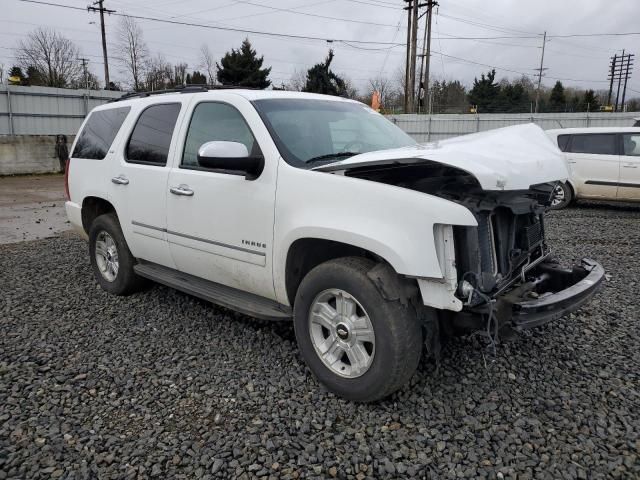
(604, 164)
(297, 206)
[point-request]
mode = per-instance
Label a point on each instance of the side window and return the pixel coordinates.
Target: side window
(631, 144)
(149, 143)
(98, 133)
(599, 144)
(213, 121)
(563, 142)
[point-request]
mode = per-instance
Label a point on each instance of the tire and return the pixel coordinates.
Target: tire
(395, 352)
(105, 231)
(562, 196)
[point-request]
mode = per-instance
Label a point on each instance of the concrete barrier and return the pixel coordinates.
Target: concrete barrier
(27, 154)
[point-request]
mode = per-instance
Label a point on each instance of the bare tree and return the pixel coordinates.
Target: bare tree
(297, 81)
(133, 53)
(159, 74)
(52, 56)
(383, 86)
(179, 74)
(208, 63)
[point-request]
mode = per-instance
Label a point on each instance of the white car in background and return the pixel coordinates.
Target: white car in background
(603, 162)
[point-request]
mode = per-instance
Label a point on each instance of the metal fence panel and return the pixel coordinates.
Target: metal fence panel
(45, 110)
(430, 128)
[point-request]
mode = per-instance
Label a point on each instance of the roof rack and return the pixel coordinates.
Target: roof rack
(191, 88)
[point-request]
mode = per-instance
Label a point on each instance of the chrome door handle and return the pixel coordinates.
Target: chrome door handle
(120, 180)
(181, 190)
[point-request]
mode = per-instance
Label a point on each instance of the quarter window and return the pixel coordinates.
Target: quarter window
(563, 142)
(213, 121)
(631, 144)
(151, 137)
(99, 132)
(599, 144)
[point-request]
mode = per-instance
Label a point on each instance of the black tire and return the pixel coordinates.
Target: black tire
(126, 281)
(567, 196)
(398, 335)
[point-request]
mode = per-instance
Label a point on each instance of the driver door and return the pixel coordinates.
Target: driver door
(219, 224)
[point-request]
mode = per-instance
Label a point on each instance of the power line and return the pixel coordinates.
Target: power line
(316, 15)
(216, 27)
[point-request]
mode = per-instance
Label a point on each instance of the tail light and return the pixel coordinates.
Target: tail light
(67, 196)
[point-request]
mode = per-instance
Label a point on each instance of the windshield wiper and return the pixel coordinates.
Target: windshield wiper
(321, 158)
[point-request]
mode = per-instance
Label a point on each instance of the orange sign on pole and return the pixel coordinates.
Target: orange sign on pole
(375, 101)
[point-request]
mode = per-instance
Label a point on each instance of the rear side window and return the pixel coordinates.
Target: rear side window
(151, 137)
(98, 133)
(563, 142)
(599, 144)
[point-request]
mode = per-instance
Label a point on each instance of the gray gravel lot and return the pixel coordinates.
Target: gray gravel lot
(163, 385)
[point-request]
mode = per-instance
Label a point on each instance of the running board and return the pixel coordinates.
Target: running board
(222, 295)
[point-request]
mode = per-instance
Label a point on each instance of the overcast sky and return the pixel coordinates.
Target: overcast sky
(582, 61)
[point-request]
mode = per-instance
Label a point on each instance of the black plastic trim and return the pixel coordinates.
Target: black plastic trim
(532, 313)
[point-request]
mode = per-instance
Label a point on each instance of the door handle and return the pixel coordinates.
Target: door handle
(572, 161)
(630, 165)
(181, 190)
(120, 180)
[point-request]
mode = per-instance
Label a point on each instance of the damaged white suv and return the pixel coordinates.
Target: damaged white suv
(297, 206)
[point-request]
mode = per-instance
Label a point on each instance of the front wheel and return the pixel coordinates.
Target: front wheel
(359, 345)
(562, 196)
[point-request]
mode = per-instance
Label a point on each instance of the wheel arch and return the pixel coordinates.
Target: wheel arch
(92, 208)
(306, 253)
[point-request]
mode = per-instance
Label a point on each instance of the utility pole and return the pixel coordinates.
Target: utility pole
(102, 11)
(426, 56)
(619, 80)
(84, 69)
(412, 51)
(408, 8)
(612, 73)
(626, 77)
(544, 42)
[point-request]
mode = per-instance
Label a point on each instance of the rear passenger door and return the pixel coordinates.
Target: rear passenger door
(594, 164)
(629, 187)
(139, 181)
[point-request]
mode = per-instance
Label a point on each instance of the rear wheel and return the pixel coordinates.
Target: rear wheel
(111, 260)
(359, 345)
(562, 196)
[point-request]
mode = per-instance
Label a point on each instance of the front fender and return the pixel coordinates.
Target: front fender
(393, 222)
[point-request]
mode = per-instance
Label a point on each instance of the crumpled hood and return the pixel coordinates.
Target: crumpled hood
(510, 158)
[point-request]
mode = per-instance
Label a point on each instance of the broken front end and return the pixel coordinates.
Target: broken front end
(500, 274)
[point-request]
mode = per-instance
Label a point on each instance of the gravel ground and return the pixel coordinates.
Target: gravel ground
(163, 385)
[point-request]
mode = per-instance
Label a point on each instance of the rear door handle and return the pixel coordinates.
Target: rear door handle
(182, 190)
(120, 180)
(630, 165)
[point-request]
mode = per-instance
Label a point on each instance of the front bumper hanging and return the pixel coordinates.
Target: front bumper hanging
(554, 293)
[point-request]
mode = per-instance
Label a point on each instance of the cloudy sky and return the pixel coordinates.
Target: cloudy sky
(505, 34)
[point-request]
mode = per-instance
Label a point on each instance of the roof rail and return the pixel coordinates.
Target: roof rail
(191, 88)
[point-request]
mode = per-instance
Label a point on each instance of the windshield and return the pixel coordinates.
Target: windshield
(311, 132)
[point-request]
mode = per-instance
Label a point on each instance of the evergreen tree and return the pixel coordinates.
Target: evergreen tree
(485, 93)
(320, 79)
(243, 68)
(590, 101)
(513, 99)
(557, 100)
(196, 78)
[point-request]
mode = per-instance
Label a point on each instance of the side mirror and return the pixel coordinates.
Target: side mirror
(230, 157)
